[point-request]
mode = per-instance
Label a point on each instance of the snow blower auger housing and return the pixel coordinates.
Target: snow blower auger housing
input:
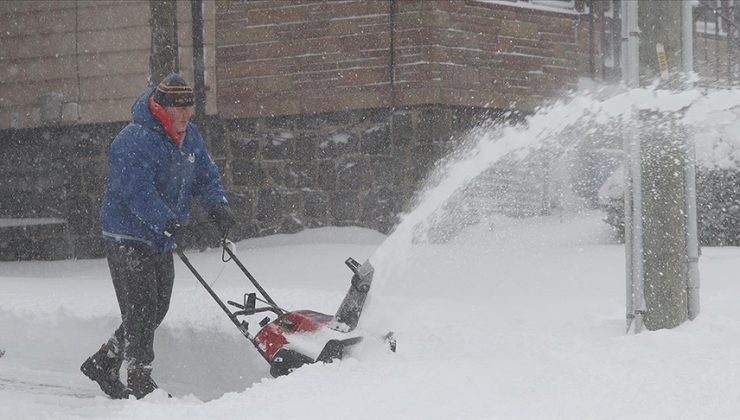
(276, 339)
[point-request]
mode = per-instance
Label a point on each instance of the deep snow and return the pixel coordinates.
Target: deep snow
(522, 321)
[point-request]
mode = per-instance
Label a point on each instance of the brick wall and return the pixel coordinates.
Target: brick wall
(277, 58)
(282, 58)
(474, 53)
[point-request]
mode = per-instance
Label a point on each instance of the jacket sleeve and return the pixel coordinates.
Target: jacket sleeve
(133, 168)
(207, 186)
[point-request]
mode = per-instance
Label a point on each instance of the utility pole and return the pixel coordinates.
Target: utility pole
(164, 57)
(661, 291)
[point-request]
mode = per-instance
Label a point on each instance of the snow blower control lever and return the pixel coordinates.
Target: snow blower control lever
(273, 340)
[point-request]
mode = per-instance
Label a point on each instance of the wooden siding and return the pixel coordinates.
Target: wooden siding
(94, 53)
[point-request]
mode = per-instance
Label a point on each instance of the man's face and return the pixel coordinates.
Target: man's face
(179, 117)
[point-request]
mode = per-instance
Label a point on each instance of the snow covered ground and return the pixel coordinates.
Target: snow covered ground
(510, 319)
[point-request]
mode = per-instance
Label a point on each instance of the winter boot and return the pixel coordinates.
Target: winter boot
(140, 382)
(103, 367)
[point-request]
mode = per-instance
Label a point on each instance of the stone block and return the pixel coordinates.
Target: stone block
(244, 231)
(270, 207)
(88, 246)
(300, 175)
(337, 144)
(247, 172)
(376, 139)
(291, 202)
(244, 147)
(242, 205)
(345, 206)
(275, 174)
(353, 174)
(327, 175)
(305, 148)
(316, 204)
(433, 125)
(276, 146)
(291, 224)
(81, 215)
(94, 176)
(214, 134)
(385, 171)
(380, 205)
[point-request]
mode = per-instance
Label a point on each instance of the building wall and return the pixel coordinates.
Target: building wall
(307, 128)
(93, 54)
(282, 58)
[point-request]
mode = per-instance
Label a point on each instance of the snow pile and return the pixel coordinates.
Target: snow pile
(524, 322)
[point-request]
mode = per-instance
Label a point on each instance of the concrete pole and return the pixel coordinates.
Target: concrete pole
(687, 49)
(663, 169)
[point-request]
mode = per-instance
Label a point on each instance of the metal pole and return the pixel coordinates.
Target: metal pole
(199, 79)
(632, 172)
(687, 36)
(692, 289)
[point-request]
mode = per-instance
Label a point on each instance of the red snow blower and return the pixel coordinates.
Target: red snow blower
(278, 340)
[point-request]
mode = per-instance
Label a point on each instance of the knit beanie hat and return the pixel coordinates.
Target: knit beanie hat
(173, 91)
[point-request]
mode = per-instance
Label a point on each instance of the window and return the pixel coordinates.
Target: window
(561, 5)
(567, 4)
(570, 4)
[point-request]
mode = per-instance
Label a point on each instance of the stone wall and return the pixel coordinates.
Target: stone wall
(282, 174)
(58, 173)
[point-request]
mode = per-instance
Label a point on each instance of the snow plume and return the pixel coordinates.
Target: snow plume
(481, 149)
(453, 192)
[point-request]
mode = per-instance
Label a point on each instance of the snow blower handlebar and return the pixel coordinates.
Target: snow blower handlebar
(242, 328)
(246, 272)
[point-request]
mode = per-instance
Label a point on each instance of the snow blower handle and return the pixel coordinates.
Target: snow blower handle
(363, 274)
(213, 294)
(251, 278)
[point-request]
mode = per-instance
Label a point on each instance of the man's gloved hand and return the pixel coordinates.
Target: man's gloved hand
(224, 219)
(173, 230)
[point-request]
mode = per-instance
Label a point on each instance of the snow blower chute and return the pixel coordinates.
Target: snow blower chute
(275, 340)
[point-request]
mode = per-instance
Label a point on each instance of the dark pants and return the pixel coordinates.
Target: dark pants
(143, 282)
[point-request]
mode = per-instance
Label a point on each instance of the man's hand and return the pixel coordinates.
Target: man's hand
(224, 219)
(173, 230)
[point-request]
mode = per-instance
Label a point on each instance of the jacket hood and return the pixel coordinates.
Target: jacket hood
(140, 113)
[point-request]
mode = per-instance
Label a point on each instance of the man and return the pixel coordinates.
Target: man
(158, 164)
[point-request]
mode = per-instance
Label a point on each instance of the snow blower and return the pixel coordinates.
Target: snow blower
(277, 339)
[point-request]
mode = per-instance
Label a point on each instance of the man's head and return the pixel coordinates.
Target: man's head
(176, 97)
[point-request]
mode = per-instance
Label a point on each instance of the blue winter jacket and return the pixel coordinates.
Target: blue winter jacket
(151, 181)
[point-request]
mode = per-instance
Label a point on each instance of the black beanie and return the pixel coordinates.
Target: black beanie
(174, 91)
